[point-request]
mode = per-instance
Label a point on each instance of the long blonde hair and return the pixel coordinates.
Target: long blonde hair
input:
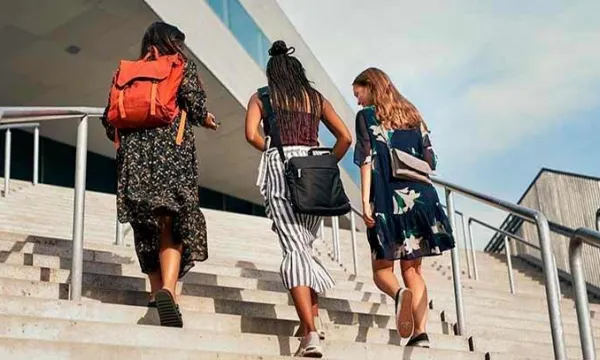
(393, 110)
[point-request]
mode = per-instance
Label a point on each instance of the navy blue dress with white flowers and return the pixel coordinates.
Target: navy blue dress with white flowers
(409, 220)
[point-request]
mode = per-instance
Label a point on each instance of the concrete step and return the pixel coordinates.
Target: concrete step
(509, 314)
(483, 334)
(137, 281)
(445, 296)
(247, 303)
(223, 323)
(524, 349)
(120, 255)
(516, 302)
(197, 303)
(512, 356)
(25, 349)
(124, 255)
(20, 327)
(261, 279)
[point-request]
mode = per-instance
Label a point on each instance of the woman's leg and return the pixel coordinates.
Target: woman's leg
(386, 281)
(314, 302)
(384, 277)
(156, 283)
(413, 279)
(304, 307)
(169, 255)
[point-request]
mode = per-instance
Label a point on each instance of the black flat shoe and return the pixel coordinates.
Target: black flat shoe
(168, 310)
(152, 304)
(421, 340)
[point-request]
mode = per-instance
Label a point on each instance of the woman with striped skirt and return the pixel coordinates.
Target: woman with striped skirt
(297, 110)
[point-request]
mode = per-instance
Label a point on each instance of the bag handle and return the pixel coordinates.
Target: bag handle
(265, 98)
(320, 149)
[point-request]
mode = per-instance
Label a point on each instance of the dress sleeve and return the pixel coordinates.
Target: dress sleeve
(192, 95)
(428, 154)
(362, 150)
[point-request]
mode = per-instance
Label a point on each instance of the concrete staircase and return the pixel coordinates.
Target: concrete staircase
(234, 305)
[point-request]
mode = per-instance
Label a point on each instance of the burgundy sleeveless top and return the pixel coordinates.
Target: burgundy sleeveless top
(296, 128)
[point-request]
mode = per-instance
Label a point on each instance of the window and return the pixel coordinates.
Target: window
(243, 27)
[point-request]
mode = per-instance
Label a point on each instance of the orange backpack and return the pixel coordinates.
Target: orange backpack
(144, 93)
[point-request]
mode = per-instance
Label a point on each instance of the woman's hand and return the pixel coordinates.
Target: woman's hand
(210, 122)
(368, 215)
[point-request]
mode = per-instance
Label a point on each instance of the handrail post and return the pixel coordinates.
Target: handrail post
(7, 148)
(464, 228)
(581, 297)
(471, 242)
(552, 291)
(557, 279)
(511, 280)
(335, 232)
(354, 246)
(120, 238)
(79, 209)
(322, 230)
(458, 298)
(36, 154)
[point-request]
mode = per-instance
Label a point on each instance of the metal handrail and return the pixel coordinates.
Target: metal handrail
(468, 239)
(552, 291)
(335, 235)
(590, 237)
(8, 153)
(507, 237)
(27, 115)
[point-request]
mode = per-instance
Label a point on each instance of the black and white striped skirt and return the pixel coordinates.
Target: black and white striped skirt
(296, 232)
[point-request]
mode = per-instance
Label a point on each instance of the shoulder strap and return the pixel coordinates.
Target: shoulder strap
(265, 98)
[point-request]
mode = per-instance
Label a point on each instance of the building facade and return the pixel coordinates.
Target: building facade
(64, 54)
(569, 199)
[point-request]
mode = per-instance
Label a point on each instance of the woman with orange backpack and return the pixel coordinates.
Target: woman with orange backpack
(153, 104)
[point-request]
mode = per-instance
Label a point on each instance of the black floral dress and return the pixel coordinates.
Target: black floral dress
(157, 177)
(410, 222)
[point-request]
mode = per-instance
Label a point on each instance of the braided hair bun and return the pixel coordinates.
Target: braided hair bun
(280, 48)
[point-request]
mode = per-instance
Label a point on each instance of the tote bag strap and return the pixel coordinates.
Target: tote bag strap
(274, 131)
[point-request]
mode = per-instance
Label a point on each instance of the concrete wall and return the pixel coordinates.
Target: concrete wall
(571, 201)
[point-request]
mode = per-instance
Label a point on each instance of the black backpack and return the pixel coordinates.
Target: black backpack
(314, 180)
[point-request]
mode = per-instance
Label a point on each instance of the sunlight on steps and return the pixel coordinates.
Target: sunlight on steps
(234, 305)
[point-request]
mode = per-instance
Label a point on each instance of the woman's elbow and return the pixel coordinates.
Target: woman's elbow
(345, 140)
(250, 137)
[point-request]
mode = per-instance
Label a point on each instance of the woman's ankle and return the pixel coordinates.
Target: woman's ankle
(171, 291)
(418, 332)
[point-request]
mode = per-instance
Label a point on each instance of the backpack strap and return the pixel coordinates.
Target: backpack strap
(181, 128)
(265, 98)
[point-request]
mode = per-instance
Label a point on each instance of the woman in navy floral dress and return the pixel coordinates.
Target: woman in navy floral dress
(404, 217)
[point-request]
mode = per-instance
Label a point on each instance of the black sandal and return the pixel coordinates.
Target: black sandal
(168, 310)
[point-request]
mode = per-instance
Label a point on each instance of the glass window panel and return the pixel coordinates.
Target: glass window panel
(219, 7)
(244, 29)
